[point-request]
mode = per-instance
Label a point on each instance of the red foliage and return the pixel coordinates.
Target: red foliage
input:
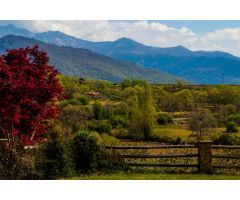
(29, 90)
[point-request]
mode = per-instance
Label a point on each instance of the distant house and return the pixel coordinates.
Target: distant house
(92, 94)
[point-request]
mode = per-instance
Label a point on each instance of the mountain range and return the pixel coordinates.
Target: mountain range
(200, 67)
(86, 64)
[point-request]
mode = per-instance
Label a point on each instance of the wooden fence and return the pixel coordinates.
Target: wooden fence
(204, 156)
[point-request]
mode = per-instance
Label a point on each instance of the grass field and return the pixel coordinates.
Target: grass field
(155, 176)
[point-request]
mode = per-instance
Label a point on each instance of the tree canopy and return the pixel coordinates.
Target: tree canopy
(29, 89)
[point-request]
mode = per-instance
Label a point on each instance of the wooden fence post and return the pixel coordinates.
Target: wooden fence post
(204, 157)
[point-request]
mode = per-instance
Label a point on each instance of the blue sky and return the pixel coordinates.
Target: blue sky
(193, 34)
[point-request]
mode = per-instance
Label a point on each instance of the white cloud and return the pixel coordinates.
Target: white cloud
(149, 33)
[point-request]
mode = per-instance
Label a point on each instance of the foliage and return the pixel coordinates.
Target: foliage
(109, 140)
(119, 120)
(83, 99)
(235, 118)
(18, 165)
(29, 89)
(121, 133)
(98, 111)
(73, 102)
(227, 139)
(55, 158)
(231, 127)
(74, 117)
(85, 150)
(201, 120)
(164, 119)
(171, 136)
(101, 126)
(185, 99)
(89, 156)
(97, 137)
(143, 113)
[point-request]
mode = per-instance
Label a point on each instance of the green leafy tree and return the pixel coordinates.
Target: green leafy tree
(98, 111)
(143, 113)
(201, 120)
(185, 99)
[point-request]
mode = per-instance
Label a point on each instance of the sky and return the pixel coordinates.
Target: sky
(208, 35)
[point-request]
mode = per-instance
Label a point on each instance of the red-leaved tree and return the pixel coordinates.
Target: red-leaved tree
(29, 90)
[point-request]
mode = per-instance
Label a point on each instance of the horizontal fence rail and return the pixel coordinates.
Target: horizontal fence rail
(152, 147)
(160, 156)
(161, 165)
(226, 166)
(225, 147)
(226, 156)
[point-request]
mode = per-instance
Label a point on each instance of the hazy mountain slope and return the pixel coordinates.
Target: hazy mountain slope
(11, 29)
(84, 63)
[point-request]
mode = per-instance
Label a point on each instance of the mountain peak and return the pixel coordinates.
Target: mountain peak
(181, 47)
(125, 40)
(55, 33)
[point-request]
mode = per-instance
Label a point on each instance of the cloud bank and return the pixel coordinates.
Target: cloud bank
(148, 33)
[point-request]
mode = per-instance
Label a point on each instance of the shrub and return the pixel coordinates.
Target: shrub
(26, 166)
(170, 136)
(56, 158)
(227, 139)
(72, 101)
(97, 136)
(122, 109)
(81, 98)
(119, 120)
(98, 111)
(89, 156)
(101, 126)
(121, 133)
(231, 109)
(108, 140)
(84, 100)
(231, 127)
(18, 165)
(164, 119)
(235, 118)
(85, 149)
(166, 139)
(91, 125)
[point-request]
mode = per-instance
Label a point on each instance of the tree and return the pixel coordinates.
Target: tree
(98, 111)
(201, 120)
(143, 112)
(74, 117)
(185, 99)
(29, 90)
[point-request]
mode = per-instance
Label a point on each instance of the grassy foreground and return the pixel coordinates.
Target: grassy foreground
(155, 176)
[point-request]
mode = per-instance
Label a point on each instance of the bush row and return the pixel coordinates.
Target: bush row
(59, 158)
